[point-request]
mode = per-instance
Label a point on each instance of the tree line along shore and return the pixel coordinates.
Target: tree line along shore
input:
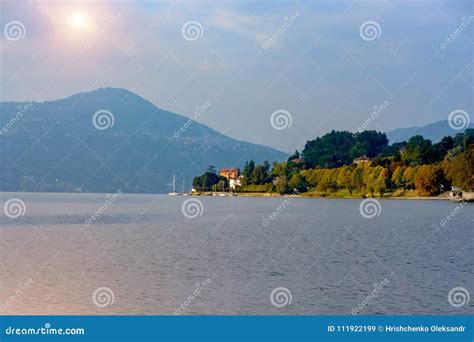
(356, 165)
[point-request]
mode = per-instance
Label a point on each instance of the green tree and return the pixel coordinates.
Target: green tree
(208, 179)
(330, 150)
(339, 148)
(197, 183)
(260, 174)
(248, 171)
(298, 183)
(211, 169)
(369, 143)
(295, 155)
(417, 151)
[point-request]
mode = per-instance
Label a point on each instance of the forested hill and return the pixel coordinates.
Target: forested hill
(330, 165)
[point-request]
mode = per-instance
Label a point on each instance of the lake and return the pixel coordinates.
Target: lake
(164, 255)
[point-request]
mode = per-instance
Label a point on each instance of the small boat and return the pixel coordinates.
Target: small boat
(174, 192)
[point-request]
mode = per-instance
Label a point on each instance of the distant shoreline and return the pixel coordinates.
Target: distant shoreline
(442, 197)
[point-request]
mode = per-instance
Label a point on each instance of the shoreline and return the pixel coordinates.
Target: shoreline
(442, 197)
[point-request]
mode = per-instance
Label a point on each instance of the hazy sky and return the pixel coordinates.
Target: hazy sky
(312, 61)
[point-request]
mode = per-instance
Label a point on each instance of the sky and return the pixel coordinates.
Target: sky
(275, 72)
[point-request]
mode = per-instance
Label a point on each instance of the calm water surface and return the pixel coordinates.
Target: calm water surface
(153, 258)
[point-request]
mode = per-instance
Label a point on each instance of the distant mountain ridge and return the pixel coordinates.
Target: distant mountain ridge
(110, 139)
(435, 132)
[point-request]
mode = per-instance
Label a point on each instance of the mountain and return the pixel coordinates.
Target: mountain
(57, 145)
(435, 132)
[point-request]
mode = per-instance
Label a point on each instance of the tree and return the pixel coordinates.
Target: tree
(294, 156)
(330, 150)
(326, 181)
(211, 169)
(461, 170)
(197, 183)
(281, 184)
(208, 180)
(381, 182)
(464, 140)
(417, 151)
(397, 177)
(260, 174)
(222, 185)
(343, 179)
(427, 180)
(468, 138)
(298, 183)
(248, 171)
(409, 177)
(369, 143)
(357, 179)
(339, 148)
(441, 149)
(279, 169)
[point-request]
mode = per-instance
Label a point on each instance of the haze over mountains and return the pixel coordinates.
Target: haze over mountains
(54, 146)
(58, 146)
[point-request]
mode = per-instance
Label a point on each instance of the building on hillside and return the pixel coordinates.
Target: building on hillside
(229, 173)
(297, 161)
(233, 176)
(361, 160)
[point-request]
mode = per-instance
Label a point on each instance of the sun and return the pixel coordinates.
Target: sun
(79, 20)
